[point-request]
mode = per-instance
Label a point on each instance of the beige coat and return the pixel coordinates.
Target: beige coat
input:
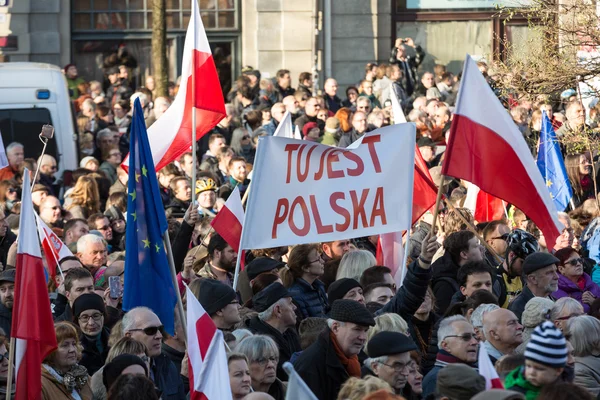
(53, 390)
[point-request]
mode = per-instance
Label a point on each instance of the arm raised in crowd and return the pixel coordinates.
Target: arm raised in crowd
(411, 294)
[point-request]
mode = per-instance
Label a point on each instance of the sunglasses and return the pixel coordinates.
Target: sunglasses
(3, 356)
(150, 331)
(575, 261)
(12, 190)
(466, 337)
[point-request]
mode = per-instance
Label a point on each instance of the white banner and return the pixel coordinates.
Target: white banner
(304, 192)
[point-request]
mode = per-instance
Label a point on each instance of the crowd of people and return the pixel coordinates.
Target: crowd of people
(328, 308)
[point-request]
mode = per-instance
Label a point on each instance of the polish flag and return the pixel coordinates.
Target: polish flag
(229, 221)
(32, 324)
(487, 149)
(171, 135)
(285, 129)
(54, 248)
(207, 358)
(483, 206)
(487, 370)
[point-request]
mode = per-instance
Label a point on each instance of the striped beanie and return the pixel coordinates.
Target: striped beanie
(547, 346)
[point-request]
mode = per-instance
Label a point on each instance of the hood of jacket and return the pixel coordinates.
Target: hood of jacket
(444, 267)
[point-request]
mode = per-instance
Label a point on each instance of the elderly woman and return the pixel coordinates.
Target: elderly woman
(308, 292)
(563, 310)
(239, 375)
(572, 281)
(89, 314)
(354, 263)
(263, 355)
(584, 334)
(62, 376)
(536, 311)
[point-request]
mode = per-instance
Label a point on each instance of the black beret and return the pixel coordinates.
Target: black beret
(88, 301)
(113, 369)
(387, 343)
(8, 275)
(214, 295)
(538, 260)
(260, 265)
(269, 296)
(338, 289)
(351, 311)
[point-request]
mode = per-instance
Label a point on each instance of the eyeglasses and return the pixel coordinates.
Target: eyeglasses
(104, 228)
(3, 356)
(320, 258)
(12, 190)
(149, 331)
(466, 337)
(263, 361)
(115, 154)
(85, 318)
(568, 317)
(245, 137)
(575, 261)
(501, 237)
(397, 367)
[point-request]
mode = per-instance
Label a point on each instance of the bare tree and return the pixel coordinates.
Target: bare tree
(159, 47)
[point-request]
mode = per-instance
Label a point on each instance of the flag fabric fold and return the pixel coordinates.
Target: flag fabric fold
(171, 135)
(32, 324)
(229, 221)
(487, 149)
(482, 205)
(148, 280)
(487, 370)
(286, 128)
(54, 248)
(207, 358)
(552, 166)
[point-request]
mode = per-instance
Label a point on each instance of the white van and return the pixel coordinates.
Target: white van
(31, 95)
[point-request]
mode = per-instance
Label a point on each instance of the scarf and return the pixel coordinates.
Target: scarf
(74, 380)
(351, 364)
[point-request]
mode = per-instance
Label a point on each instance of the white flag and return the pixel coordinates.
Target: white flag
(397, 112)
(296, 387)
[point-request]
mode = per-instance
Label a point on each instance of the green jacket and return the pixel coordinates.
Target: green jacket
(516, 381)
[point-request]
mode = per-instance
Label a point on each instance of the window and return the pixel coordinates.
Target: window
(24, 126)
(136, 15)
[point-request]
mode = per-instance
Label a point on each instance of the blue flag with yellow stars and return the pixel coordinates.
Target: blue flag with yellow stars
(552, 166)
(148, 279)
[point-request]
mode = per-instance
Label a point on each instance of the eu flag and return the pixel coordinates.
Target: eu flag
(148, 279)
(552, 166)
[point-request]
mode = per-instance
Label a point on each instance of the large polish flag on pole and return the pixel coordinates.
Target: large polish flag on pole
(171, 135)
(487, 149)
(32, 324)
(206, 354)
(229, 221)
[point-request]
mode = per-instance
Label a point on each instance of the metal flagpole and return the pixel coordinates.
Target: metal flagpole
(167, 244)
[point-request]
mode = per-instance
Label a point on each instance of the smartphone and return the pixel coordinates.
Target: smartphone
(114, 284)
(47, 132)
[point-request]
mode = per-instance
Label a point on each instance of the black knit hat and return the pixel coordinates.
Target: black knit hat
(88, 301)
(338, 289)
(113, 369)
(538, 260)
(388, 343)
(547, 346)
(351, 311)
(214, 295)
(260, 265)
(269, 296)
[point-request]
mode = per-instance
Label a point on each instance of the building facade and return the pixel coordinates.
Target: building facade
(327, 37)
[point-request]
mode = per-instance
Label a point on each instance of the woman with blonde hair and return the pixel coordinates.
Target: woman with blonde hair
(354, 263)
(62, 376)
(84, 199)
(387, 322)
(358, 389)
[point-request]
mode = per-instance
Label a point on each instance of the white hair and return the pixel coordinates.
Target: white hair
(585, 335)
(142, 96)
(14, 145)
(376, 360)
(131, 317)
(256, 347)
(330, 323)
(241, 334)
(87, 240)
(354, 263)
(568, 303)
(104, 132)
(479, 312)
(268, 313)
(447, 329)
(45, 158)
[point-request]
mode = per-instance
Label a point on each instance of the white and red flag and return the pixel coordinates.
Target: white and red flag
(487, 149)
(207, 358)
(229, 222)
(32, 324)
(54, 248)
(487, 370)
(483, 206)
(171, 135)
(286, 128)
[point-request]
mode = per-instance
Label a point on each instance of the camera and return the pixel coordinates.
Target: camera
(47, 132)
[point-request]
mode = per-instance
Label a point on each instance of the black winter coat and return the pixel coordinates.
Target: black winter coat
(5, 243)
(444, 283)
(167, 378)
(288, 342)
(321, 369)
(92, 358)
(5, 319)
